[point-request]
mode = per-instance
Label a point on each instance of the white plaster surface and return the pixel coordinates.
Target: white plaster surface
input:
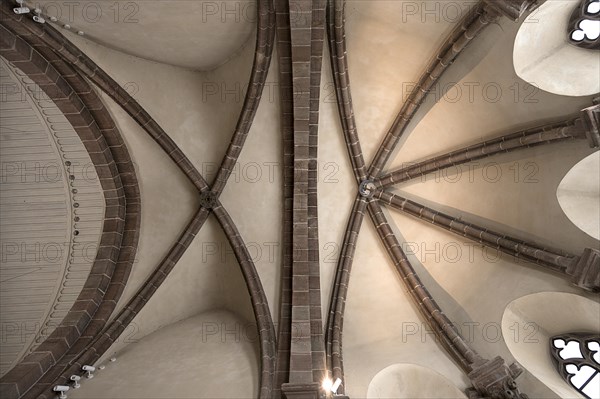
(212, 355)
(411, 381)
(579, 195)
(531, 321)
(543, 55)
(199, 35)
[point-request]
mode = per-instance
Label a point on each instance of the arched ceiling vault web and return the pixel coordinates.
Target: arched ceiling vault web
(304, 352)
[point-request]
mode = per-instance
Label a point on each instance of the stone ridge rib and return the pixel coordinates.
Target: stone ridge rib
(551, 259)
(490, 378)
(265, 38)
(118, 244)
(307, 352)
(300, 348)
(547, 134)
(335, 320)
(471, 25)
(287, 128)
(314, 280)
(445, 330)
(260, 305)
(339, 65)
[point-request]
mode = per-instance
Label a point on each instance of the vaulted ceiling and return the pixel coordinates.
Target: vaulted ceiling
(202, 303)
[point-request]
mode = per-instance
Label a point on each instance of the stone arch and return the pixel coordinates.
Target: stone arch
(118, 243)
(531, 321)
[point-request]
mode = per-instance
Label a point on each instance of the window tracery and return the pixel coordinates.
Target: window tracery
(577, 359)
(584, 26)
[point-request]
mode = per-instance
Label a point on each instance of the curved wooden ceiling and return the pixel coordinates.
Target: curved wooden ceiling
(52, 215)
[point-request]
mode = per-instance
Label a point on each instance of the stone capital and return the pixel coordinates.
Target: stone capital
(302, 391)
(512, 9)
(494, 379)
(591, 121)
(585, 270)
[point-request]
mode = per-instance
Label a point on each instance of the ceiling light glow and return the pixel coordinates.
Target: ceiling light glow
(327, 384)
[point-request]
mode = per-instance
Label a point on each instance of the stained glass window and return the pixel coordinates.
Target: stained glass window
(584, 26)
(577, 359)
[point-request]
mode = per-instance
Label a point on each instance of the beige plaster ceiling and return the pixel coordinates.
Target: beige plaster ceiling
(550, 314)
(579, 195)
(543, 56)
(199, 35)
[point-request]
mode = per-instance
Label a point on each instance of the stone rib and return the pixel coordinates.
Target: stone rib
(447, 334)
(287, 126)
(335, 320)
(301, 347)
(74, 56)
(470, 27)
(265, 38)
(260, 305)
(102, 341)
(546, 134)
(583, 271)
(88, 68)
(490, 378)
(307, 352)
(112, 263)
(339, 65)
(314, 280)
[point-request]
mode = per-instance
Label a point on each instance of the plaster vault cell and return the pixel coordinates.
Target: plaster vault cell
(579, 195)
(198, 35)
(530, 322)
(544, 57)
(411, 381)
(166, 364)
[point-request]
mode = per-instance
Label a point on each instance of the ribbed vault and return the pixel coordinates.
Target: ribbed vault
(305, 351)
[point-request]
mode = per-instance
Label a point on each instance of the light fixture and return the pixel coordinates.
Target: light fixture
(75, 379)
(90, 370)
(62, 389)
(336, 385)
(330, 386)
(38, 16)
(327, 384)
(21, 9)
